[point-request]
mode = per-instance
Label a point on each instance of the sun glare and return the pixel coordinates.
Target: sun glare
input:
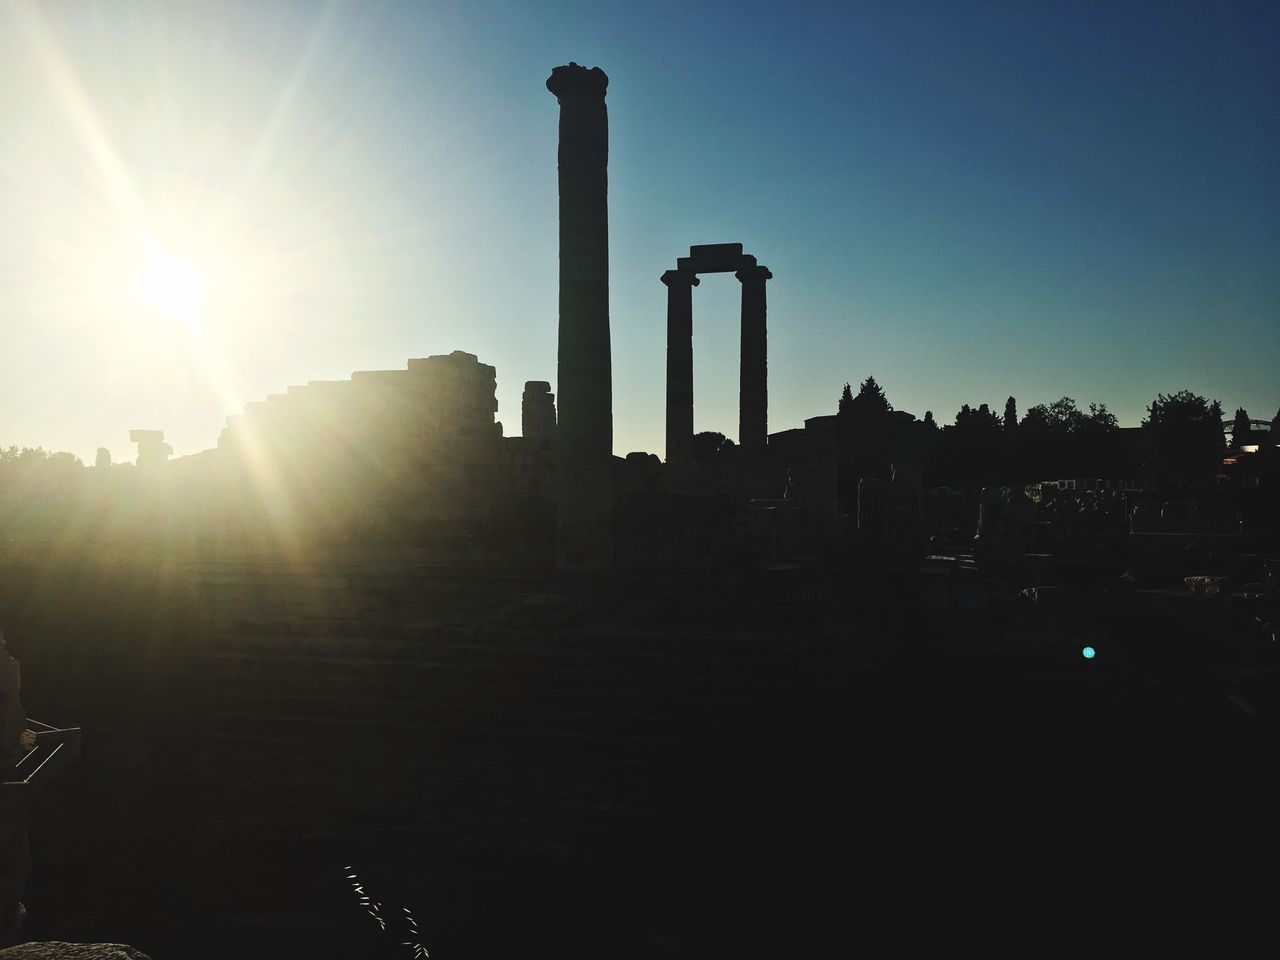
(171, 287)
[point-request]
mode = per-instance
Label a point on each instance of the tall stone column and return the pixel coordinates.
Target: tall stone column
(753, 388)
(584, 433)
(584, 379)
(679, 365)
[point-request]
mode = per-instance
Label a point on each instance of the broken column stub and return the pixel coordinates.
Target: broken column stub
(584, 432)
(538, 411)
(152, 449)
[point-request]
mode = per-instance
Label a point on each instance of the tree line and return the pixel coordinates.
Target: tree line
(1180, 441)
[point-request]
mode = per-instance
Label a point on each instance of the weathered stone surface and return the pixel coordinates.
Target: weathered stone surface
(61, 950)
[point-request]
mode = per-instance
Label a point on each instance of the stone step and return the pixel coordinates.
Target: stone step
(289, 623)
(243, 584)
(336, 735)
(328, 676)
(275, 578)
(703, 682)
(539, 689)
(528, 654)
(249, 602)
(414, 629)
(536, 715)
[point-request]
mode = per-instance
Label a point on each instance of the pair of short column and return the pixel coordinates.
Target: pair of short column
(753, 388)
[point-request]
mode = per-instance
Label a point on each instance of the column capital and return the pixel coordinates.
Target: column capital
(573, 79)
(754, 273)
(676, 277)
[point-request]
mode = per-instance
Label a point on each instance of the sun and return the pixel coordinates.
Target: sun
(171, 287)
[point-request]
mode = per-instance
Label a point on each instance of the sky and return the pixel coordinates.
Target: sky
(203, 203)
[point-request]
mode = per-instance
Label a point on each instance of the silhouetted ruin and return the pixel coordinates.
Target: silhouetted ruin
(538, 412)
(753, 395)
(584, 442)
(561, 700)
(152, 450)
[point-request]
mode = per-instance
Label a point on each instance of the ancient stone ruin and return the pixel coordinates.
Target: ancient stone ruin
(538, 411)
(152, 449)
(584, 440)
(753, 390)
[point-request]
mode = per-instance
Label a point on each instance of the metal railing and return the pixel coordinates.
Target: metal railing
(54, 748)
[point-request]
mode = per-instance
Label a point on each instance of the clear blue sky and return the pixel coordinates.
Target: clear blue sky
(965, 200)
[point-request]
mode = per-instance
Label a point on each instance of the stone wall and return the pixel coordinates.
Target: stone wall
(410, 455)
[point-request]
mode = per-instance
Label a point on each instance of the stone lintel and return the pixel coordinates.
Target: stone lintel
(680, 276)
(720, 264)
(714, 251)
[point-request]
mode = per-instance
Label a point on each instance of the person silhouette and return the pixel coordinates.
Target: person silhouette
(15, 742)
(13, 716)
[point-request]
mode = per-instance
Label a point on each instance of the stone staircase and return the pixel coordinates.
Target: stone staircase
(326, 658)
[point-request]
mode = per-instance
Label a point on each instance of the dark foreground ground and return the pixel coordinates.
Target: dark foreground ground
(964, 777)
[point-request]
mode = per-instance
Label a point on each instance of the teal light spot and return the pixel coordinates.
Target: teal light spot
(1089, 653)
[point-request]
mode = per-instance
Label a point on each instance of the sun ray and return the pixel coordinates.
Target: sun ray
(79, 112)
(256, 158)
(167, 284)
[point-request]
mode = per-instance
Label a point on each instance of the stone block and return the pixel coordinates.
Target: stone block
(1207, 586)
(61, 950)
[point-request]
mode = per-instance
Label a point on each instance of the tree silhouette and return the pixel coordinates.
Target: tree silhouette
(865, 432)
(1183, 433)
(871, 399)
(1063, 415)
(708, 444)
(103, 460)
(971, 448)
(846, 401)
(1063, 418)
(1100, 418)
(977, 422)
(28, 456)
(1240, 429)
(1010, 415)
(1059, 439)
(929, 421)
(1035, 420)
